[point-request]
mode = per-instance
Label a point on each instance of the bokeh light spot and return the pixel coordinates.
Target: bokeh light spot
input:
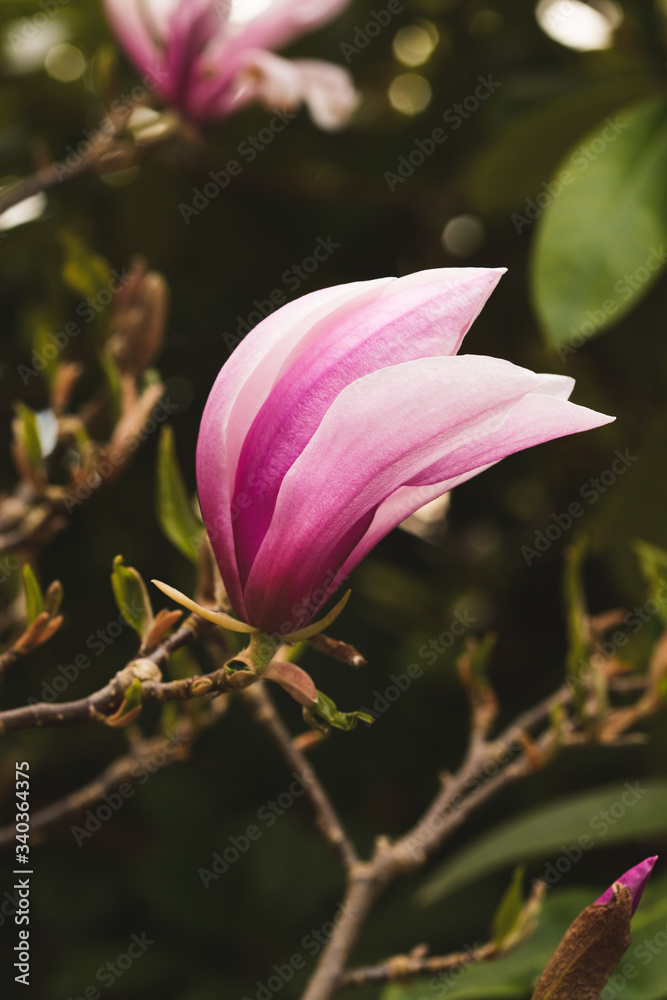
(410, 93)
(65, 63)
(463, 235)
(414, 45)
(581, 26)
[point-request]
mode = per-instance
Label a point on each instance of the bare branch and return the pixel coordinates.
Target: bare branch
(409, 966)
(266, 715)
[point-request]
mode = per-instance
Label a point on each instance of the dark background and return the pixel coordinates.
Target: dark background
(138, 873)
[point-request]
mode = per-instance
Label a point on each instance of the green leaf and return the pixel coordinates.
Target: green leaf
(653, 563)
(114, 383)
(27, 433)
(34, 602)
(575, 609)
(326, 709)
(610, 815)
(513, 168)
(42, 344)
(84, 272)
(174, 510)
(132, 597)
(599, 244)
(511, 906)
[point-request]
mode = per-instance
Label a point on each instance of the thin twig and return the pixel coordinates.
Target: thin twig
(98, 706)
(408, 966)
(328, 821)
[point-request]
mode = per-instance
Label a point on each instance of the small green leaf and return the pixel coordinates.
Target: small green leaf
(174, 510)
(132, 696)
(42, 342)
(577, 631)
(114, 383)
(34, 602)
(25, 426)
(84, 272)
(600, 242)
(653, 562)
(326, 709)
(132, 597)
(511, 907)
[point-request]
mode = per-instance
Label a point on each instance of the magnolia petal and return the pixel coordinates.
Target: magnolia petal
(142, 29)
(240, 390)
(260, 75)
(388, 430)
(328, 92)
(635, 879)
(217, 617)
(411, 320)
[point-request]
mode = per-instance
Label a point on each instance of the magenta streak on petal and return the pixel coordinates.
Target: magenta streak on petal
(240, 390)
(420, 321)
(130, 26)
(192, 26)
(635, 879)
(445, 415)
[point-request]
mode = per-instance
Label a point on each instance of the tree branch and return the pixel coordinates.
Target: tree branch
(483, 774)
(146, 754)
(99, 706)
(408, 966)
(266, 714)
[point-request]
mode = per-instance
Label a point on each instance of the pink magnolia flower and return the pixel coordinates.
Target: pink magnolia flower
(210, 57)
(635, 879)
(341, 414)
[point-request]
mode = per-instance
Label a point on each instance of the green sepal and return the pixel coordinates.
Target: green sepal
(326, 708)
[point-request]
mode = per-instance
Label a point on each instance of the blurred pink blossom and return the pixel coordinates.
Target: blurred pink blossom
(210, 57)
(341, 414)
